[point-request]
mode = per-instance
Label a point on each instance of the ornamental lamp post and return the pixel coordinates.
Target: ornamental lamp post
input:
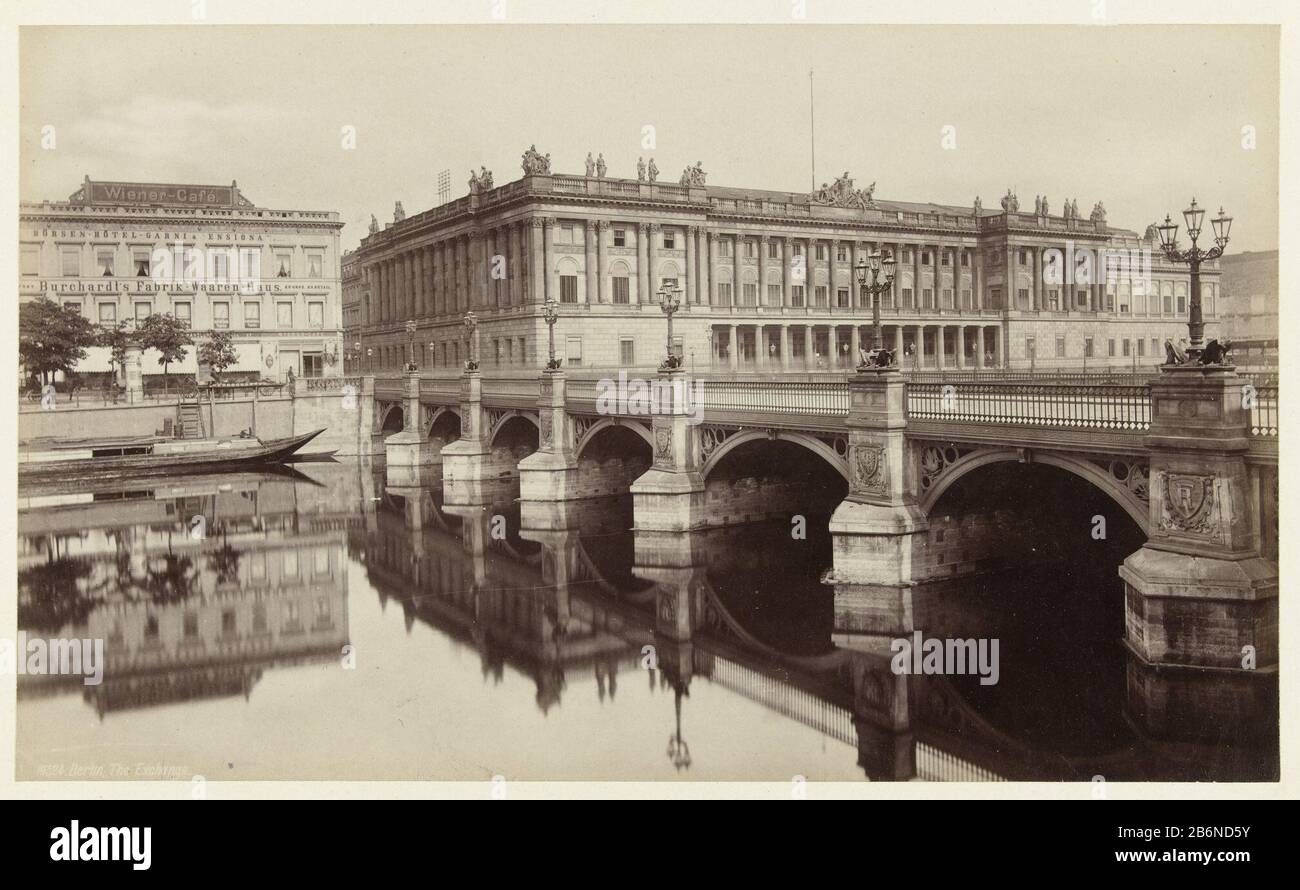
(670, 301)
(410, 345)
(550, 315)
(471, 324)
(1193, 256)
(356, 357)
(874, 263)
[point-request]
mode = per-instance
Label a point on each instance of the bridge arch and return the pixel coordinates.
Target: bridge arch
(1118, 491)
(443, 420)
(588, 435)
(393, 419)
(826, 452)
(500, 421)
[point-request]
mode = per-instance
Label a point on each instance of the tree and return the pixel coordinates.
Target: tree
(167, 334)
(51, 337)
(116, 338)
(218, 352)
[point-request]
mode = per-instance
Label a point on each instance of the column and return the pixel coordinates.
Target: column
(483, 268)
(707, 277)
(548, 260)
(590, 273)
(763, 242)
(961, 347)
(938, 347)
(642, 263)
(809, 360)
(733, 354)
(898, 345)
(465, 285)
(977, 279)
(692, 294)
(1036, 256)
(919, 342)
(979, 347)
(786, 341)
(997, 347)
(537, 261)
(602, 261)
(709, 267)
(916, 289)
(831, 287)
(422, 293)
(652, 258)
(855, 343)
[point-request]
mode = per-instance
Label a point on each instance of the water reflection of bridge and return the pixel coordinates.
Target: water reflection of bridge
(539, 602)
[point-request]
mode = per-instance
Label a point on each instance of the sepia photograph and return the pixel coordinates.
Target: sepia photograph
(481, 400)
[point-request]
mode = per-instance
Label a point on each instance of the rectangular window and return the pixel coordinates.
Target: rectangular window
(221, 315)
(31, 259)
(252, 315)
(184, 313)
(1060, 347)
(1127, 347)
(1023, 295)
(1053, 299)
(1020, 257)
(724, 293)
(104, 262)
(108, 313)
(284, 264)
(965, 298)
(965, 259)
(1110, 348)
(142, 311)
(797, 249)
(620, 237)
(250, 263)
(774, 295)
(749, 294)
(1087, 347)
(565, 235)
(1082, 298)
(944, 258)
(316, 315)
(907, 297)
(925, 258)
(773, 250)
(841, 253)
(751, 248)
(627, 352)
(70, 262)
(1031, 346)
(140, 259)
(573, 351)
(568, 288)
(927, 298)
(821, 251)
(1182, 304)
(315, 265)
(220, 266)
(284, 315)
(796, 295)
(842, 297)
(670, 239)
(725, 247)
(947, 298)
(1142, 347)
(819, 293)
(621, 292)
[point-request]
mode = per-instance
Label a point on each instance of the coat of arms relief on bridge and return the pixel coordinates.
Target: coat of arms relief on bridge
(1189, 505)
(663, 436)
(868, 466)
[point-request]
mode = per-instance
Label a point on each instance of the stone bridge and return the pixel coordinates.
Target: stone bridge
(1189, 454)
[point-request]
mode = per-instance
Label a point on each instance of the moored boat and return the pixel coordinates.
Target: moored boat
(150, 455)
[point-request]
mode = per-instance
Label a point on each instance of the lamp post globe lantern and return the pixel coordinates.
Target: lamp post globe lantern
(410, 345)
(550, 315)
(1193, 256)
(670, 301)
(875, 274)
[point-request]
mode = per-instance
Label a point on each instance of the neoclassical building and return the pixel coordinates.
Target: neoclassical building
(119, 251)
(765, 278)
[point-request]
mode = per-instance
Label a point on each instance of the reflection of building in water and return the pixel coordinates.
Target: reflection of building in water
(195, 586)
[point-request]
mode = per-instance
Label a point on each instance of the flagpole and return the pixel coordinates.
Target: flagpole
(812, 133)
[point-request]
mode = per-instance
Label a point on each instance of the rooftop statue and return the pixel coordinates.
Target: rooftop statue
(843, 194)
(398, 213)
(535, 163)
(1010, 202)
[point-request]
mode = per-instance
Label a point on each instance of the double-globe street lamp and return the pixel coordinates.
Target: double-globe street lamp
(1193, 257)
(550, 315)
(872, 266)
(670, 301)
(471, 323)
(410, 346)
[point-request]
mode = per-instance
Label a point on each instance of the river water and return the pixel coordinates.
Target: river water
(331, 623)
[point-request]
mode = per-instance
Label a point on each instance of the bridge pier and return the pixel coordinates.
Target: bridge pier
(467, 462)
(1200, 600)
(878, 527)
(669, 497)
(409, 448)
(550, 474)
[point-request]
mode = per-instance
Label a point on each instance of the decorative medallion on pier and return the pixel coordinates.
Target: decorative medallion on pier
(1188, 504)
(663, 446)
(544, 426)
(467, 424)
(869, 468)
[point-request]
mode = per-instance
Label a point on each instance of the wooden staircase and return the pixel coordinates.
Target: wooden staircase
(189, 420)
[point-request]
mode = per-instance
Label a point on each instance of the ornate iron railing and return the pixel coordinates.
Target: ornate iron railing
(1264, 411)
(1103, 407)
(775, 397)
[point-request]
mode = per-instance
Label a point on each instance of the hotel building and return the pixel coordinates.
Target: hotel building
(766, 280)
(119, 251)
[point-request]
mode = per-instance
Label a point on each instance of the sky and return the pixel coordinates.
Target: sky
(1142, 118)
